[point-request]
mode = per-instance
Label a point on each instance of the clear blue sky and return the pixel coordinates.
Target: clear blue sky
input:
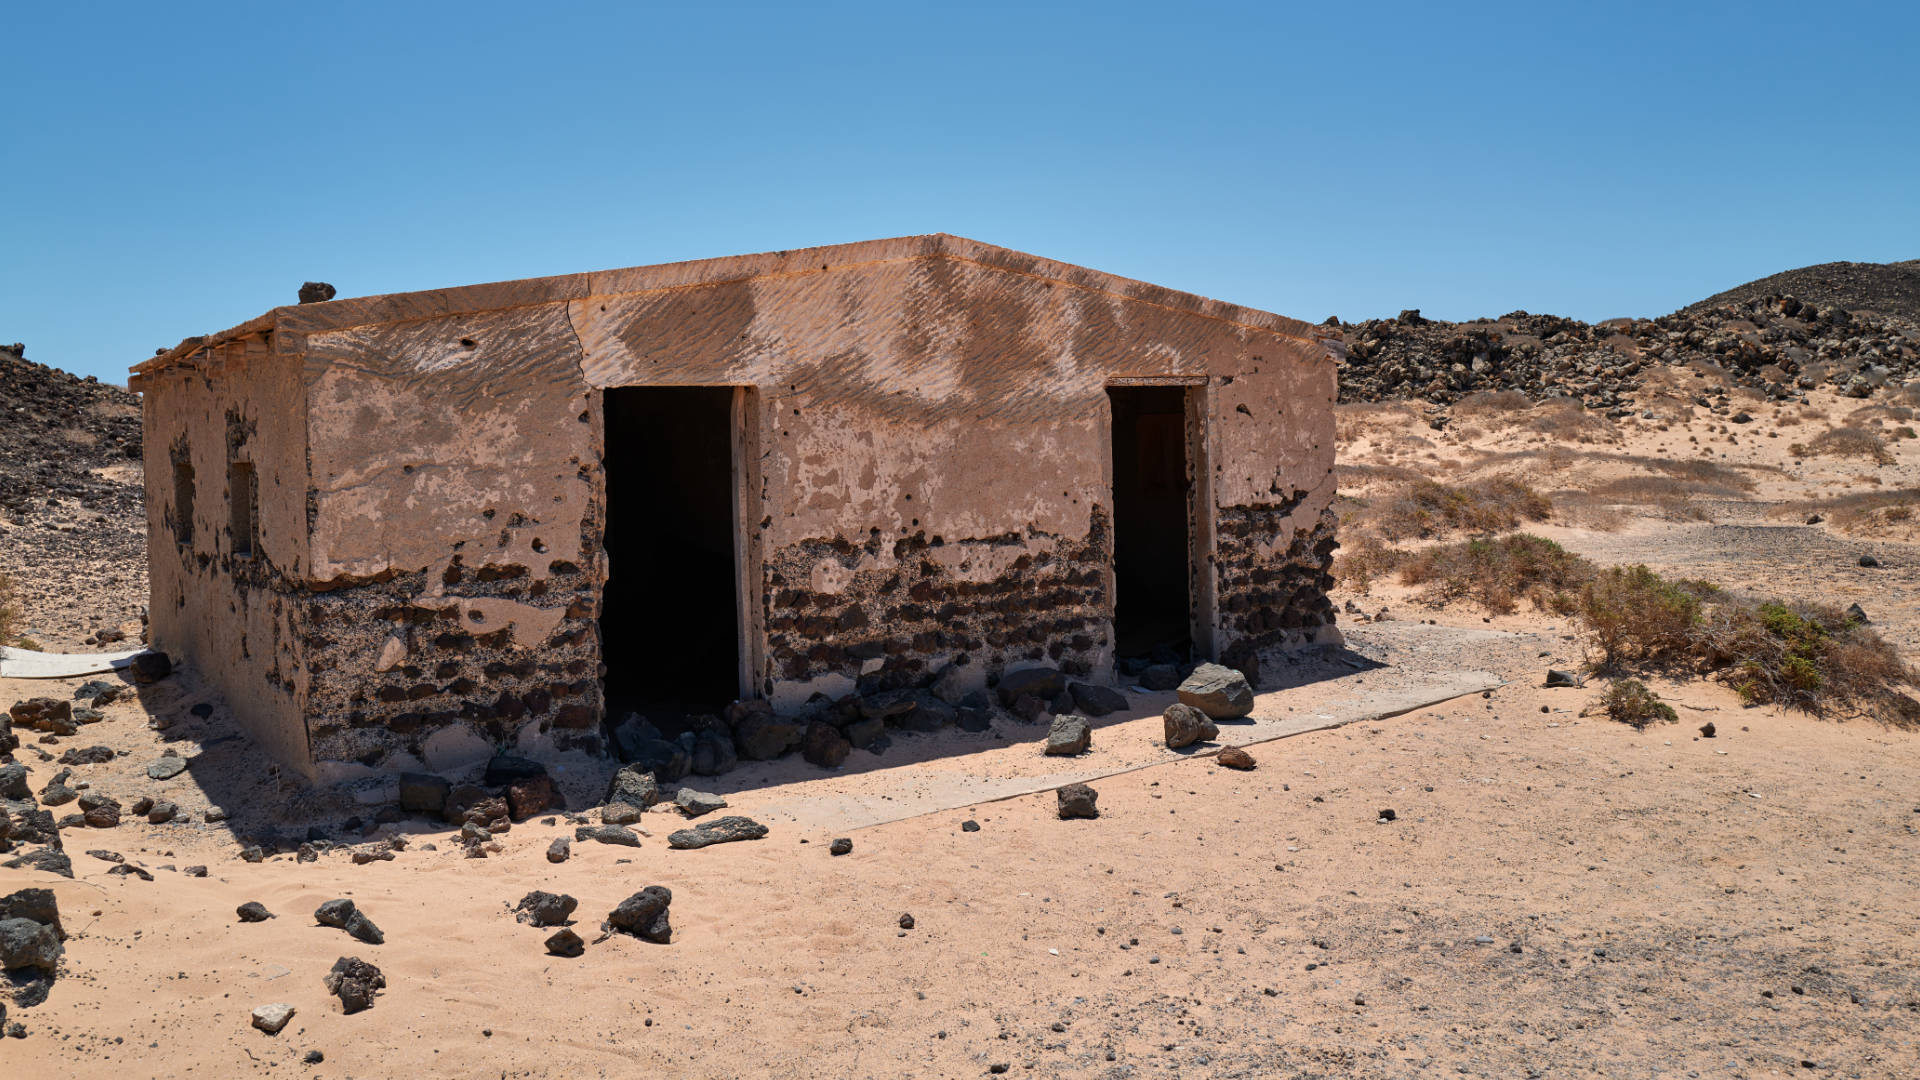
(172, 169)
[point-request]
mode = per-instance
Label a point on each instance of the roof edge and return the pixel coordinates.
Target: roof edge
(523, 292)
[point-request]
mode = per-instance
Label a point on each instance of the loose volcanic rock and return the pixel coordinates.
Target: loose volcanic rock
(1707, 730)
(194, 871)
(100, 811)
(1160, 677)
(150, 667)
(1556, 677)
(26, 944)
(57, 793)
(823, 745)
(530, 796)
(969, 825)
(505, 769)
(719, 831)
(253, 911)
(539, 908)
(13, 781)
(714, 754)
(840, 846)
(619, 813)
(644, 915)
(1220, 692)
(906, 920)
(423, 793)
(607, 834)
(559, 850)
(345, 916)
(43, 714)
(271, 1018)
(130, 869)
(695, 803)
(1235, 758)
(1185, 725)
(354, 982)
(1869, 562)
(634, 786)
(564, 942)
(317, 292)
(1097, 700)
(1041, 683)
(38, 905)
(167, 768)
(1069, 735)
(1078, 801)
(92, 755)
(1858, 614)
(51, 860)
(161, 812)
(763, 737)
(107, 856)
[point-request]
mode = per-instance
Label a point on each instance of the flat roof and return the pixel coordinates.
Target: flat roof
(469, 299)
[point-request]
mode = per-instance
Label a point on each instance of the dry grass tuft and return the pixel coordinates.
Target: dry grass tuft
(1498, 573)
(8, 611)
(1848, 442)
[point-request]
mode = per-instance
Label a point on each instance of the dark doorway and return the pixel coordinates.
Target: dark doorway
(669, 623)
(1152, 608)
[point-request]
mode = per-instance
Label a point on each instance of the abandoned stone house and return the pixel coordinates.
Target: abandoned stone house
(405, 531)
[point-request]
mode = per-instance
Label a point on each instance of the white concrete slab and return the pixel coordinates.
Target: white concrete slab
(28, 664)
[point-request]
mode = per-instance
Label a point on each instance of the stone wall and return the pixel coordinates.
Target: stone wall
(896, 613)
(1274, 573)
(409, 673)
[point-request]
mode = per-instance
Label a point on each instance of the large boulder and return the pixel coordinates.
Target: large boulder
(928, 715)
(1186, 725)
(823, 745)
(423, 793)
(1043, 683)
(43, 714)
(40, 905)
(1220, 692)
(714, 754)
(13, 781)
(763, 736)
(1069, 735)
(1097, 700)
(26, 944)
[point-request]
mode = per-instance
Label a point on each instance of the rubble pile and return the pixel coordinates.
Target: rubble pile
(1778, 342)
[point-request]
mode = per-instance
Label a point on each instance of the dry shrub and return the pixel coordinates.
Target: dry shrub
(1364, 560)
(1427, 508)
(1630, 702)
(1862, 512)
(1566, 418)
(1498, 573)
(1634, 614)
(1492, 401)
(1852, 442)
(1803, 656)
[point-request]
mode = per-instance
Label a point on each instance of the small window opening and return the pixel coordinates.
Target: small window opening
(183, 502)
(240, 502)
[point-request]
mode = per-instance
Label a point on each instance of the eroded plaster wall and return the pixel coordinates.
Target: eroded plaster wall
(231, 615)
(932, 481)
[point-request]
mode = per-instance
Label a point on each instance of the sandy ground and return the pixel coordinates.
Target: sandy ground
(1557, 895)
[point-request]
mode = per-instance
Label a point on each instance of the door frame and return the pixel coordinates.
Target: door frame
(1203, 591)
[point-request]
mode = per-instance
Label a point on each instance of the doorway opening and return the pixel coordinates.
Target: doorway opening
(669, 619)
(1153, 604)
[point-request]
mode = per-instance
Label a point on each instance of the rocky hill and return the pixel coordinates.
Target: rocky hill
(1778, 342)
(1884, 288)
(57, 431)
(72, 516)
